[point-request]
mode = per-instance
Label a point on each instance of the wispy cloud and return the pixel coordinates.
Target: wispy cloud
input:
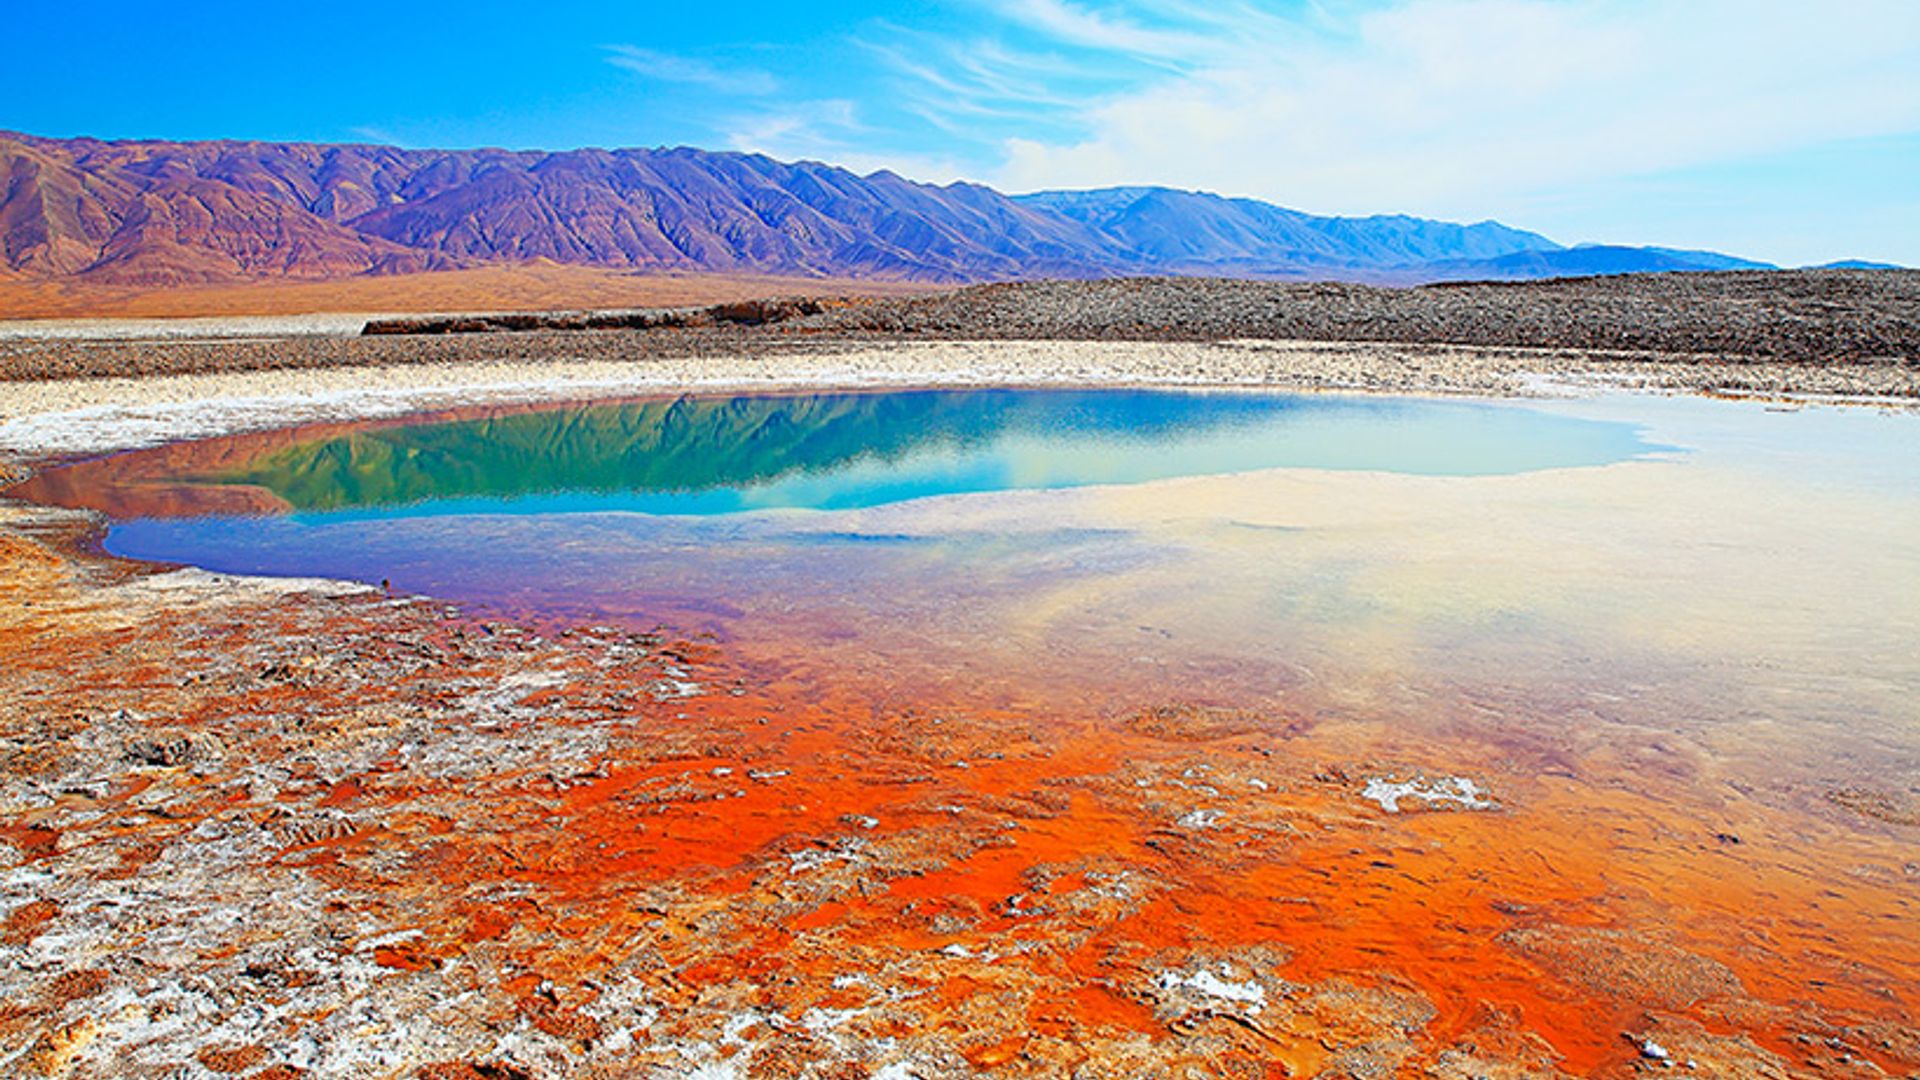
(1450, 105)
(1087, 27)
(822, 124)
(977, 90)
(667, 67)
(1175, 34)
(831, 130)
(964, 86)
(373, 134)
(1527, 110)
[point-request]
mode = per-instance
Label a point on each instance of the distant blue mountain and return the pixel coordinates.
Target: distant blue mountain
(1706, 260)
(1189, 232)
(1588, 260)
(1856, 264)
(1196, 231)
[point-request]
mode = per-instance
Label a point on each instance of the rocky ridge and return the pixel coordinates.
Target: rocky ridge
(1811, 317)
(1814, 317)
(155, 214)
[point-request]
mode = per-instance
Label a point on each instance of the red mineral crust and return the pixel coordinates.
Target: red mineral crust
(273, 830)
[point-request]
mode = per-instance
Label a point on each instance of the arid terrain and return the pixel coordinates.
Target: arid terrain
(528, 287)
(1832, 331)
(274, 829)
(1081, 539)
(1816, 317)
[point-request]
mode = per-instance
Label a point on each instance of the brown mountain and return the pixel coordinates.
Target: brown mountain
(149, 213)
(160, 213)
(145, 214)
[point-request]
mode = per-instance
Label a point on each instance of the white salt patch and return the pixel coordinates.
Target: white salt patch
(1200, 819)
(674, 689)
(208, 328)
(740, 1023)
(52, 417)
(201, 584)
(820, 1021)
(846, 851)
(1203, 981)
(1455, 791)
(393, 938)
(509, 690)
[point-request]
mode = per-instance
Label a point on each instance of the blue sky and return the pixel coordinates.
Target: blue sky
(1780, 129)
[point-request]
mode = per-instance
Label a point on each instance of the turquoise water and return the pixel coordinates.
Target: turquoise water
(349, 498)
(932, 543)
(723, 455)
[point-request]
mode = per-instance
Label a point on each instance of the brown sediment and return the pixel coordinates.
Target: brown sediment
(1895, 807)
(483, 289)
(1620, 964)
(418, 841)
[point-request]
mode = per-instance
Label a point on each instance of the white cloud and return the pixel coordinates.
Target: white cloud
(372, 134)
(1079, 26)
(1465, 107)
(666, 67)
(829, 130)
(968, 89)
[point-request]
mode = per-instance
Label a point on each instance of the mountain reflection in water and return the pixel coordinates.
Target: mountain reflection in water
(708, 455)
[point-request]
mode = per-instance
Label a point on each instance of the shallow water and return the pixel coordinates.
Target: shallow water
(722, 455)
(1641, 625)
(941, 538)
(1089, 548)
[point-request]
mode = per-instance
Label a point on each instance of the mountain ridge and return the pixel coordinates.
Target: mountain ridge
(161, 213)
(1200, 230)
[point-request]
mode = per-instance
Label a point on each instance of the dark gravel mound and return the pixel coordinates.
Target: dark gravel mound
(1821, 316)
(1824, 318)
(756, 312)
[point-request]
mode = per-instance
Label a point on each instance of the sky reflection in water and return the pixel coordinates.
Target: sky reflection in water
(1417, 545)
(721, 455)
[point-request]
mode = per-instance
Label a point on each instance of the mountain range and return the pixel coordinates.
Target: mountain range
(159, 214)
